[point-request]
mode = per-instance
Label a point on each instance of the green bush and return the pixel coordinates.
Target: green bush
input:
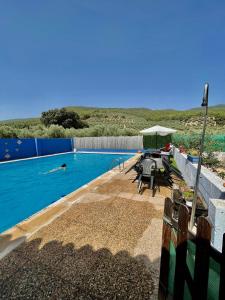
(192, 141)
(55, 131)
(210, 160)
(62, 117)
(188, 141)
(8, 132)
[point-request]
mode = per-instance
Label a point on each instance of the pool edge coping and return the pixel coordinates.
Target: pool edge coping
(68, 152)
(34, 157)
(19, 233)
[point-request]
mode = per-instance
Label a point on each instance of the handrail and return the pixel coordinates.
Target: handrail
(117, 160)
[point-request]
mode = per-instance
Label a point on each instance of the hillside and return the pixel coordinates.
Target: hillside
(215, 107)
(119, 121)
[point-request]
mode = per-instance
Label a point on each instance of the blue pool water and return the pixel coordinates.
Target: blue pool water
(26, 187)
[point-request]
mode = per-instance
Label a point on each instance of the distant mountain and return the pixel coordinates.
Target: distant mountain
(20, 120)
(218, 106)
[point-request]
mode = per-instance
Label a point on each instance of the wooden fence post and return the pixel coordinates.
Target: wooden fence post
(165, 251)
(202, 255)
(181, 252)
(222, 272)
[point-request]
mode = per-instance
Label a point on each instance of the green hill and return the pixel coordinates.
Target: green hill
(119, 121)
(214, 107)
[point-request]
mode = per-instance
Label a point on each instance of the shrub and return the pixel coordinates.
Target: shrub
(193, 152)
(86, 116)
(62, 117)
(210, 160)
(8, 132)
(55, 131)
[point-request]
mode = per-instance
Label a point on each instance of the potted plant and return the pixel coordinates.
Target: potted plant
(188, 196)
(201, 208)
(193, 156)
(182, 194)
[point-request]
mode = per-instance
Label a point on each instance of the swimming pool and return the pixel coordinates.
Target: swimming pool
(26, 187)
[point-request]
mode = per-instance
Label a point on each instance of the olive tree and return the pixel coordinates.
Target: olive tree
(62, 117)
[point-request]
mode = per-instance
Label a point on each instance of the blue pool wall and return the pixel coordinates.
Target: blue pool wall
(17, 148)
(53, 146)
(14, 148)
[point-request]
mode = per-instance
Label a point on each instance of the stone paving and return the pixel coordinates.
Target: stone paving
(106, 245)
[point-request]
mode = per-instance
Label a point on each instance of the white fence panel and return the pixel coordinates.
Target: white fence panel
(109, 142)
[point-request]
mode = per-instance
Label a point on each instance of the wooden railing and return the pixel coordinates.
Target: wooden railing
(180, 280)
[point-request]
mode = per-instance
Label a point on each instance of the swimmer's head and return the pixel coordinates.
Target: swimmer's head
(63, 166)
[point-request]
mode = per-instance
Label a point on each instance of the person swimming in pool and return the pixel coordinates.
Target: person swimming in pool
(62, 167)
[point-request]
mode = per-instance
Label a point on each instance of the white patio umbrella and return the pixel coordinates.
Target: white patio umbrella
(158, 130)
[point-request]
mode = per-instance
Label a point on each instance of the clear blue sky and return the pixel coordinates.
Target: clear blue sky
(110, 53)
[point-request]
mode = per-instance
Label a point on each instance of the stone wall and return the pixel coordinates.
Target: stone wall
(217, 219)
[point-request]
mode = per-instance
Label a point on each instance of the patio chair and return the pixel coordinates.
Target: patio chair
(156, 155)
(148, 167)
(153, 153)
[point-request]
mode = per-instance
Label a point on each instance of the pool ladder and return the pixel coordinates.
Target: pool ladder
(114, 163)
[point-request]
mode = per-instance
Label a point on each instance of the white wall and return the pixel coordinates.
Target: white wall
(210, 185)
(217, 219)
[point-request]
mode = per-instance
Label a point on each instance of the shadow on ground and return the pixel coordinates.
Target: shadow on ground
(58, 271)
(161, 187)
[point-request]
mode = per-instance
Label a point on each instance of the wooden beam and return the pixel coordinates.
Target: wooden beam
(165, 250)
(181, 252)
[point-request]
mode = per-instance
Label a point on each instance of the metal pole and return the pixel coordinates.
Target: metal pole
(194, 203)
(36, 146)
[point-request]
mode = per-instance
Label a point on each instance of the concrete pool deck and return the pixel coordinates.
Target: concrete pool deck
(100, 242)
